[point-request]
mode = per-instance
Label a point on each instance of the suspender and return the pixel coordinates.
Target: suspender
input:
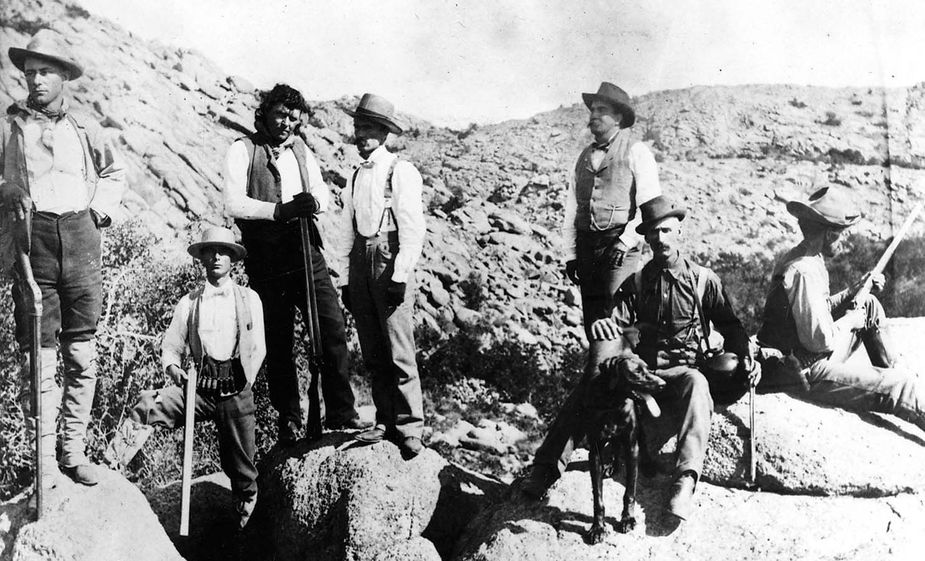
(386, 195)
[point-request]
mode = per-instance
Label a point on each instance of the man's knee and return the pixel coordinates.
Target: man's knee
(692, 382)
(78, 356)
(873, 312)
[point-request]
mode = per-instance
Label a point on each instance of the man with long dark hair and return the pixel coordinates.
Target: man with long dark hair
(271, 181)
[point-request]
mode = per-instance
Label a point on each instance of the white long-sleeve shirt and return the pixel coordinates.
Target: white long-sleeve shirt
(364, 201)
(645, 172)
(239, 205)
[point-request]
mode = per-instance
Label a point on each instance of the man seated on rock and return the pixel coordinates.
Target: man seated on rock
(800, 322)
(659, 305)
(221, 324)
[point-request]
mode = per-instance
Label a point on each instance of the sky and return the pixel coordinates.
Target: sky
(453, 63)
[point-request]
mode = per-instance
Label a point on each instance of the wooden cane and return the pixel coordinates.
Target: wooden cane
(188, 426)
(752, 460)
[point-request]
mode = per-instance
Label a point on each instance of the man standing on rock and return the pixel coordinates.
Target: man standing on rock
(221, 324)
(382, 236)
(271, 181)
(58, 167)
(659, 305)
(800, 315)
(613, 176)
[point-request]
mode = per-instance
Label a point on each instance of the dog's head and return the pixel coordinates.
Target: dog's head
(628, 375)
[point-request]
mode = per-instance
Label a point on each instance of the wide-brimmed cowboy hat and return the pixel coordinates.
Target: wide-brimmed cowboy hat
(48, 45)
(378, 109)
(216, 236)
(828, 206)
(616, 97)
(657, 209)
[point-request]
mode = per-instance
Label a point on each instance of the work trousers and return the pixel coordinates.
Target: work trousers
(685, 402)
(601, 274)
(66, 263)
(860, 387)
(233, 417)
(281, 295)
(386, 335)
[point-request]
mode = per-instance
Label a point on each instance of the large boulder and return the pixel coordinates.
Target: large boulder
(108, 522)
(728, 524)
(335, 500)
(805, 448)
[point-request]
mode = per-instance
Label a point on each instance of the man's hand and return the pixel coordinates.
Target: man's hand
(605, 330)
(617, 254)
(395, 293)
(345, 298)
(177, 374)
(302, 205)
(571, 271)
(15, 199)
(752, 369)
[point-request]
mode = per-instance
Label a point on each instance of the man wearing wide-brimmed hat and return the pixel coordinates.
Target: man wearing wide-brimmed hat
(271, 181)
(656, 319)
(62, 175)
(800, 321)
(221, 323)
(613, 176)
(381, 239)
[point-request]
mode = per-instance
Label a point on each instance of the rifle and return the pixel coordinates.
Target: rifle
(313, 431)
(186, 483)
(32, 295)
(844, 347)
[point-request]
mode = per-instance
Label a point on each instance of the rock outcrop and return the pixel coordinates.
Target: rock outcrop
(335, 500)
(103, 523)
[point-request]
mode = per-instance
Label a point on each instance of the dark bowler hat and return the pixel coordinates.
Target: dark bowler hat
(48, 45)
(378, 109)
(215, 236)
(616, 97)
(828, 206)
(657, 209)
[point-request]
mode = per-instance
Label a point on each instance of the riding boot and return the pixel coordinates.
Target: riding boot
(881, 355)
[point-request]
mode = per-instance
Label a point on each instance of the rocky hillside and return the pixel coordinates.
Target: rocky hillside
(495, 193)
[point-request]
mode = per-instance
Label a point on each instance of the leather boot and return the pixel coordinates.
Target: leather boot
(681, 499)
(125, 444)
(881, 355)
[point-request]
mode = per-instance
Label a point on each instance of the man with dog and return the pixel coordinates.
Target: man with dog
(221, 324)
(656, 324)
(800, 322)
(62, 174)
(271, 181)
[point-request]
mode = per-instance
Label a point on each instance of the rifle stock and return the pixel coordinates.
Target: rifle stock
(845, 325)
(189, 408)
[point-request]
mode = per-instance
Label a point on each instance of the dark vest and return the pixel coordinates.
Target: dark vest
(778, 328)
(273, 248)
(606, 197)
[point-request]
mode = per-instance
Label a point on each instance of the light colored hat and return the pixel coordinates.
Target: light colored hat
(216, 236)
(615, 96)
(828, 206)
(49, 45)
(376, 108)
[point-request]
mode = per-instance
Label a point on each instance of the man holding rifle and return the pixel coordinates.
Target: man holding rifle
(62, 172)
(271, 181)
(221, 324)
(800, 322)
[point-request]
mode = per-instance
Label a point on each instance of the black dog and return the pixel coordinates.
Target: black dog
(615, 401)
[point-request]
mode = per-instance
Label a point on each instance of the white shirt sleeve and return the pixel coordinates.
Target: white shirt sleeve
(237, 203)
(319, 189)
(408, 207)
(569, 233)
(260, 351)
(808, 292)
(645, 172)
(344, 236)
(174, 346)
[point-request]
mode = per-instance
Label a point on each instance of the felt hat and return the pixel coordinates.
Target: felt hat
(48, 45)
(828, 206)
(378, 109)
(657, 209)
(616, 97)
(216, 236)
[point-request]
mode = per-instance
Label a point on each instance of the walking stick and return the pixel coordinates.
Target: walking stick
(313, 431)
(186, 483)
(752, 460)
(32, 295)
